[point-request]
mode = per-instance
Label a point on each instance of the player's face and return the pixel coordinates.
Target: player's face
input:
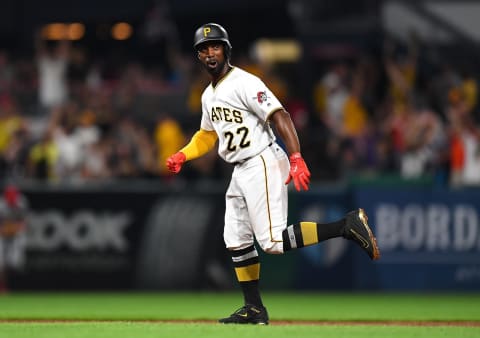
(212, 56)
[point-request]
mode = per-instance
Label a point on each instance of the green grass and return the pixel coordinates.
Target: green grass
(292, 306)
(159, 330)
(124, 315)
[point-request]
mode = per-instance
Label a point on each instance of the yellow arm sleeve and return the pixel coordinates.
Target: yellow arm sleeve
(201, 142)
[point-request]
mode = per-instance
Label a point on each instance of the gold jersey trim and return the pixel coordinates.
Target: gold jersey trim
(223, 78)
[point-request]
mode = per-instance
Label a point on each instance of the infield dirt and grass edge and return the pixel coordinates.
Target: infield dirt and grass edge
(306, 308)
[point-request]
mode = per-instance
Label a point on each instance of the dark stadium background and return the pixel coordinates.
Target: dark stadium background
(149, 230)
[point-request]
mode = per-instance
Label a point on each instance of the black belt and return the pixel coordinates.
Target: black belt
(249, 158)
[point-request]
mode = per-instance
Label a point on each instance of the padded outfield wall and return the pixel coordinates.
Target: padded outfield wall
(147, 237)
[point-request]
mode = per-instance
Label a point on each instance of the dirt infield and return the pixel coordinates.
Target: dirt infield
(382, 323)
(272, 322)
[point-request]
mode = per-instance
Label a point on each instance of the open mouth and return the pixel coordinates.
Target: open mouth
(212, 63)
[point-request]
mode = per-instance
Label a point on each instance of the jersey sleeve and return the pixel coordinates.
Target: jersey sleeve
(259, 98)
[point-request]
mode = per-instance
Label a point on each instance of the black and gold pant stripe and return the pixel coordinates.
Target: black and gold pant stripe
(246, 263)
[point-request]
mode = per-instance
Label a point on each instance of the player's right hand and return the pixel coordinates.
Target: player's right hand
(175, 162)
(298, 172)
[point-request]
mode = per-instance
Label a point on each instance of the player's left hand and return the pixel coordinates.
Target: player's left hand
(298, 172)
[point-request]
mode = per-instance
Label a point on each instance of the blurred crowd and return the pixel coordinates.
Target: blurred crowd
(65, 117)
(398, 114)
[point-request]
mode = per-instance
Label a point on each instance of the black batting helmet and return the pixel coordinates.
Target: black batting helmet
(211, 32)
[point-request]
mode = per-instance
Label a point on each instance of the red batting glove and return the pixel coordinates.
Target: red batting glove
(299, 172)
(175, 162)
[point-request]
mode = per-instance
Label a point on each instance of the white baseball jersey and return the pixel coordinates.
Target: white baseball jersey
(237, 108)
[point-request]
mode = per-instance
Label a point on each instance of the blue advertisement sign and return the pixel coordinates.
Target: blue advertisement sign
(429, 239)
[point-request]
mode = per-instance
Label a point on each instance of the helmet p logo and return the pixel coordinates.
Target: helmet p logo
(206, 30)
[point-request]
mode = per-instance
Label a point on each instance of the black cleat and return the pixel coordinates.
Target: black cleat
(357, 230)
(248, 314)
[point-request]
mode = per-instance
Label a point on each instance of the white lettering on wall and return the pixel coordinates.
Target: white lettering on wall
(434, 227)
(83, 230)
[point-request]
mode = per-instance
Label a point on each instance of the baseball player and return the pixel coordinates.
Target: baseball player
(238, 110)
(13, 207)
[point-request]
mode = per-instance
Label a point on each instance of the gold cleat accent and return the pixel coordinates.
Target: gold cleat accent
(364, 218)
(357, 229)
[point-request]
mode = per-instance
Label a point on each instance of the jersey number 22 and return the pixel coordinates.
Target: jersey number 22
(244, 142)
